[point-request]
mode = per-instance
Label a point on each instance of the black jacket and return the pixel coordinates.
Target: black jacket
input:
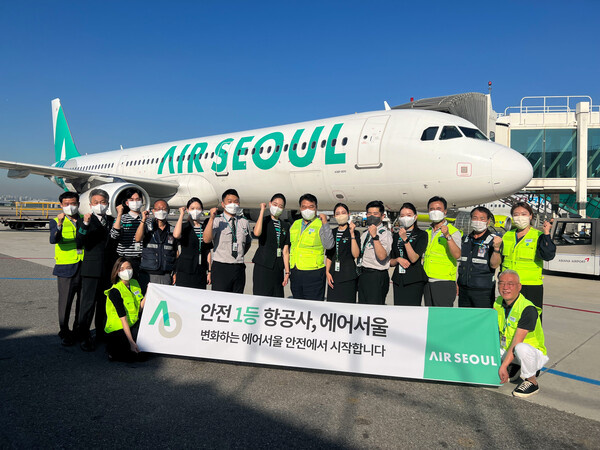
(266, 254)
(347, 261)
(99, 250)
(415, 272)
(189, 260)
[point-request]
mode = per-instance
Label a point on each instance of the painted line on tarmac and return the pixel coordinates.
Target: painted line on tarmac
(571, 376)
(574, 309)
(25, 278)
(25, 258)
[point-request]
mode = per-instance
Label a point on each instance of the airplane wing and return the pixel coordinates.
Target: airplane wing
(155, 188)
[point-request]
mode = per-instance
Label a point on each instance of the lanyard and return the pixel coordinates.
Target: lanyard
(364, 246)
(401, 243)
(199, 231)
(338, 238)
(277, 231)
(232, 228)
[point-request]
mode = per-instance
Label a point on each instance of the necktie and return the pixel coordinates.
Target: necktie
(234, 251)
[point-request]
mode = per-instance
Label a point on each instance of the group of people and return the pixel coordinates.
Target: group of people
(107, 263)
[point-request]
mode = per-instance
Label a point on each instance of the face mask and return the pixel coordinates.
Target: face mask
(232, 208)
(478, 226)
(308, 214)
(407, 221)
(276, 210)
(70, 210)
(436, 215)
(161, 214)
(342, 219)
(135, 205)
(521, 222)
(195, 213)
(126, 274)
(99, 209)
(373, 220)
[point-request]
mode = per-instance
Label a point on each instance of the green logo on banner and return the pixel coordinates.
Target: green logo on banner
(462, 345)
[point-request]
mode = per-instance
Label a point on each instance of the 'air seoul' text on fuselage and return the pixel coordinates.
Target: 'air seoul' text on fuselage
(189, 158)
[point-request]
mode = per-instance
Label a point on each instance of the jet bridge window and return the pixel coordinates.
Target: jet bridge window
(473, 133)
(429, 134)
(449, 132)
(573, 233)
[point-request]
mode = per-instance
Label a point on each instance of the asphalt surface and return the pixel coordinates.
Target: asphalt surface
(62, 397)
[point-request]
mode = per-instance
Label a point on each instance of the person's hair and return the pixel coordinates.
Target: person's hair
(522, 205)
(343, 205)
(160, 200)
(229, 192)
(114, 275)
(484, 210)
(375, 204)
(509, 272)
(127, 193)
(68, 194)
(408, 205)
(281, 196)
(194, 200)
(438, 199)
(309, 197)
(100, 192)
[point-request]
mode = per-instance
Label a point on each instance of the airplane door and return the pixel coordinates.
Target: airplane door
(369, 145)
(122, 164)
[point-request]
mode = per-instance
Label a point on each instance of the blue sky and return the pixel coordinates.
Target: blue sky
(140, 72)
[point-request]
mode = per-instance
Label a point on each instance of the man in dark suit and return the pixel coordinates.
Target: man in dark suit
(94, 236)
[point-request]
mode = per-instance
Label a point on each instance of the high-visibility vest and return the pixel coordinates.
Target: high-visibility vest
(306, 250)
(438, 262)
(508, 326)
(132, 297)
(65, 252)
(522, 256)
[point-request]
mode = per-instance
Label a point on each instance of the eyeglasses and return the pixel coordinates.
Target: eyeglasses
(507, 283)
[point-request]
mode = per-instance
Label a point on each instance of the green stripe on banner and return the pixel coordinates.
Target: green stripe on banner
(462, 345)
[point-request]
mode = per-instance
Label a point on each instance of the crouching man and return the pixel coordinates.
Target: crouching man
(521, 336)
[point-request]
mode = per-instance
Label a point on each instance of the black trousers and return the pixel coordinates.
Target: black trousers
(228, 277)
(409, 294)
(93, 300)
(475, 298)
(373, 286)
(308, 284)
(68, 288)
(343, 291)
(267, 282)
(117, 345)
(440, 293)
(535, 294)
(195, 280)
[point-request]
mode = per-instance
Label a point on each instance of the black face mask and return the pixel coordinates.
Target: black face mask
(373, 220)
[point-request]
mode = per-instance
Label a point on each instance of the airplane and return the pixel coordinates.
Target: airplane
(395, 156)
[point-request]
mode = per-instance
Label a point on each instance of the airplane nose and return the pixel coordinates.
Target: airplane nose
(511, 172)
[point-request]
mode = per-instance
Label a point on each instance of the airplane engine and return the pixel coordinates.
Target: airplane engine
(115, 194)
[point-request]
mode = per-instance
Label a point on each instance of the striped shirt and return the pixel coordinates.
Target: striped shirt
(125, 237)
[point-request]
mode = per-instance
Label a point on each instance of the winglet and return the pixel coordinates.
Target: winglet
(64, 147)
(387, 106)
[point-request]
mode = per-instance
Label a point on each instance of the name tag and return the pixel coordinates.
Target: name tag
(401, 269)
(503, 341)
(481, 252)
(337, 266)
(136, 292)
(278, 252)
(311, 230)
(170, 240)
(138, 246)
(234, 246)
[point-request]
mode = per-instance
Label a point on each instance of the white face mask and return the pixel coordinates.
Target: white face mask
(342, 219)
(478, 226)
(232, 208)
(276, 210)
(407, 221)
(521, 222)
(195, 213)
(161, 214)
(135, 205)
(70, 210)
(436, 215)
(126, 274)
(99, 209)
(308, 214)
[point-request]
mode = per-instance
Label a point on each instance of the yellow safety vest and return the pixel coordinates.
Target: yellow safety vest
(306, 250)
(65, 252)
(508, 328)
(438, 262)
(522, 257)
(132, 298)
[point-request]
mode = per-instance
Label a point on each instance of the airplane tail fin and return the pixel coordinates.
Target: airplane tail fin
(64, 147)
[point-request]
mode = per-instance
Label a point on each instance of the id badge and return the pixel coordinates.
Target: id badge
(200, 259)
(234, 246)
(337, 266)
(278, 252)
(481, 252)
(401, 269)
(79, 251)
(503, 342)
(138, 246)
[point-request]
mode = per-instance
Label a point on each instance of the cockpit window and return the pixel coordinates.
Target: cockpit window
(473, 133)
(449, 132)
(429, 134)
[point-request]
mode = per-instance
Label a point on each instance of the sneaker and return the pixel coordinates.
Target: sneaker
(526, 389)
(67, 341)
(514, 371)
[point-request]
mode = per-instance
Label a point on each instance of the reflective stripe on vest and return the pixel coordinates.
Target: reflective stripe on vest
(534, 338)
(438, 262)
(131, 300)
(306, 250)
(522, 257)
(65, 252)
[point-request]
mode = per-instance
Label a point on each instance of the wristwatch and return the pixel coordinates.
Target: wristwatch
(376, 238)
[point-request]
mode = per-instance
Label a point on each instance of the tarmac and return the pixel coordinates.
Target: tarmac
(62, 397)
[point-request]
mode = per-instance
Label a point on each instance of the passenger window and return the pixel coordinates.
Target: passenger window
(303, 145)
(449, 132)
(473, 133)
(277, 149)
(285, 148)
(295, 146)
(429, 134)
(333, 142)
(323, 142)
(313, 144)
(344, 141)
(573, 233)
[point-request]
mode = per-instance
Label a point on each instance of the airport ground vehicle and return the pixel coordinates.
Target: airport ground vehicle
(31, 215)
(577, 246)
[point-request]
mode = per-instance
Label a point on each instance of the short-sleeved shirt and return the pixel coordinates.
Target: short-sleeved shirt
(223, 239)
(368, 259)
